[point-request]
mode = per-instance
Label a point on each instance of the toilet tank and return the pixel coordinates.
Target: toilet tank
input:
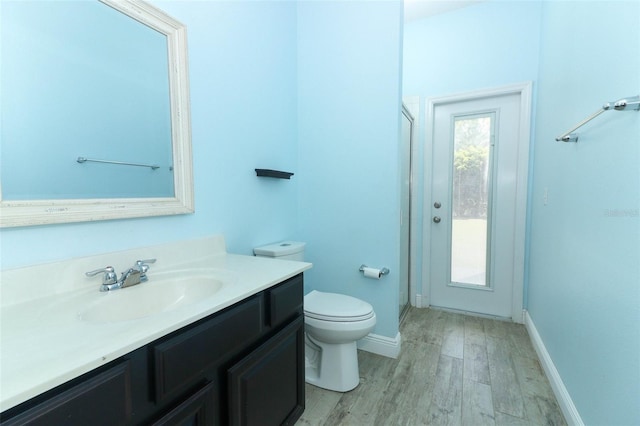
(289, 250)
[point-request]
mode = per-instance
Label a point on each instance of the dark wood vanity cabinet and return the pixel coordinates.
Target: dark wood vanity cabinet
(241, 366)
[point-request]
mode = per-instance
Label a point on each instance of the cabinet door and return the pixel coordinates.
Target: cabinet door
(197, 410)
(104, 399)
(267, 387)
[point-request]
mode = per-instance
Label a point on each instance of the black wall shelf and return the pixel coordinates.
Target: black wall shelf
(273, 173)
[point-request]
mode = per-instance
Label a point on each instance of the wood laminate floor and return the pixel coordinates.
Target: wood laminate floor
(453, 370)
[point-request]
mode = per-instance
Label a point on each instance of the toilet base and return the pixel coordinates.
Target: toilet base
(331, 366)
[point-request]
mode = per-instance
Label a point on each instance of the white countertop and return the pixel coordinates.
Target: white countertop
(44, 341)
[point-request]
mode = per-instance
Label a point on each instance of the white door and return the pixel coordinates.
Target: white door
(476, 204)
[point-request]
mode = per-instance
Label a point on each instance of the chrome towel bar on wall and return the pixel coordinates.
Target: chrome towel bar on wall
(631, 103)
(122, 163)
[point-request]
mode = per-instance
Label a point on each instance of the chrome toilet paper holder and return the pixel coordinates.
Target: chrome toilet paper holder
(383, 271)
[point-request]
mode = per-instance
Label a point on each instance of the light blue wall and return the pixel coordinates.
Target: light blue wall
(242, 60)
(312, 88)
(584, 244)
(487, 45)
(584, 283)
(349, 105)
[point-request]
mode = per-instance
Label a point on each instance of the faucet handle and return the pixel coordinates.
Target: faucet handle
(143, 267)
(109, 277)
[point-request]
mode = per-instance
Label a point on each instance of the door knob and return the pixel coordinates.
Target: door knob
(436, 219)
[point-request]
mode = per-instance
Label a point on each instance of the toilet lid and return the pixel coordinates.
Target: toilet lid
(336, 307)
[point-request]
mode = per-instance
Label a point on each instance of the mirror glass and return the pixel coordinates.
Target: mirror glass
(94, 112)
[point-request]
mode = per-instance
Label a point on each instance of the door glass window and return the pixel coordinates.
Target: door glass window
(471, 199)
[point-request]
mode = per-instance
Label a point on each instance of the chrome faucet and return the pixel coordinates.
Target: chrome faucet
(135, 275)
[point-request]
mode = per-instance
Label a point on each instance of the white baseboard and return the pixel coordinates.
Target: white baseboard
(569, 410)
(381, 345)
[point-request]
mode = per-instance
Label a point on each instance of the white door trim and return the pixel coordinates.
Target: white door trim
(407, 172)
(412, 103)
(524, 90)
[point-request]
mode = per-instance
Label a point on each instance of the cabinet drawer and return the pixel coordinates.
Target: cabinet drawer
(183, 360)
(104, 399)
(285, 301)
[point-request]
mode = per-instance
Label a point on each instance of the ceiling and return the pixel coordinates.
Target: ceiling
(419, 9)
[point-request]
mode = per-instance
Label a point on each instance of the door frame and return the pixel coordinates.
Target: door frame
(524, 90)
(410, 228)
(413, 105)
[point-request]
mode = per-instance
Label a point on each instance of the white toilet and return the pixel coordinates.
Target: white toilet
(333, 324)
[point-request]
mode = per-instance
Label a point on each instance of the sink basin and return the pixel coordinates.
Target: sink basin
(162, 293)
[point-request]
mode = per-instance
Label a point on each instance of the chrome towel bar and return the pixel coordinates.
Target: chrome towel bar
(625, 104)
(122, 163)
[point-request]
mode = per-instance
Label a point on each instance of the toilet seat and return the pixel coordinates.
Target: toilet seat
(338, 319)
(336, 307)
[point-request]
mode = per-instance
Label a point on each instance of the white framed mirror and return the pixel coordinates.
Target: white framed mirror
(94, 113)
